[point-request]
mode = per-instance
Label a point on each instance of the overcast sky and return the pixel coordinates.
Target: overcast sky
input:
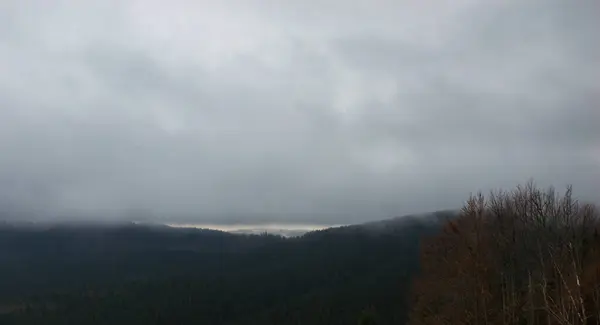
(292, 111)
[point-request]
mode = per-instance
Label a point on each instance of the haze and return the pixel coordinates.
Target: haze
(302, 112)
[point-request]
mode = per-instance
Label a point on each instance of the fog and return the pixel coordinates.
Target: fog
(304, 112)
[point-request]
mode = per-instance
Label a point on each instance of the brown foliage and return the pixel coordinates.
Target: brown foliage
(522, 257)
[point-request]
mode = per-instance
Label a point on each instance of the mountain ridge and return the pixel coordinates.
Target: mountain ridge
(246, 278)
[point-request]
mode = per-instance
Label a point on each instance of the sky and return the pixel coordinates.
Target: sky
(303, 112)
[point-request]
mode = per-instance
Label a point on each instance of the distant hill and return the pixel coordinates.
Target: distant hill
(150, 274)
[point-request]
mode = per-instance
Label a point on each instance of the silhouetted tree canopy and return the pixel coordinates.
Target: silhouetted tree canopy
(529, 256)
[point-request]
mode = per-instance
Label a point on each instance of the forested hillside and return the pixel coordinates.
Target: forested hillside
(527, 256)
(158, 275)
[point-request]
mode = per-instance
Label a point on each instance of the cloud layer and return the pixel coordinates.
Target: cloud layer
(298, 111)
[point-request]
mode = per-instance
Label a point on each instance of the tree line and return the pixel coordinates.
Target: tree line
(522, 257)
(526, 256)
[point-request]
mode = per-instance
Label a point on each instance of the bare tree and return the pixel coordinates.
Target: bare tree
(527, 256)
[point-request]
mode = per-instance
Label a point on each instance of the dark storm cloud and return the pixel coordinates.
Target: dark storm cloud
(199, 113)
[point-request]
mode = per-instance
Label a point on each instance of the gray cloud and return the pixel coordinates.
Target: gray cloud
(295, 112)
